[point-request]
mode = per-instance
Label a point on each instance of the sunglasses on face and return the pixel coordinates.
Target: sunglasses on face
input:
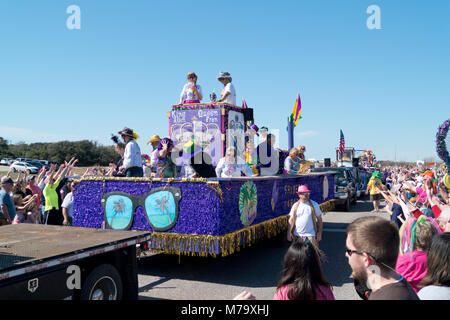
(350, 252)
(161, 206)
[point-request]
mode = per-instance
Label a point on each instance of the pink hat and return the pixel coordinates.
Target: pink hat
(303, 189)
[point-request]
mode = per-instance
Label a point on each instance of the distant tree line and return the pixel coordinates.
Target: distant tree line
(87, 152)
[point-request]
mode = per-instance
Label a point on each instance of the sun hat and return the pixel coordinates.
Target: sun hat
(6, 180)
(427, 173)
(376, 174)
(447, 180)
(303, 189)
(126, 132)
(154, 138)
(224, 75)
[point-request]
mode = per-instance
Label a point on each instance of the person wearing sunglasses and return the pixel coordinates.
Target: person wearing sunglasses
(372, 251)
(305, 218)
(301, 152)
(192, 92)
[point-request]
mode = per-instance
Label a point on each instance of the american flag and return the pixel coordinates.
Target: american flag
(341, 145)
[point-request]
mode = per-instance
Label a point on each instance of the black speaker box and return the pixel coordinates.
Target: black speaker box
(248, 114)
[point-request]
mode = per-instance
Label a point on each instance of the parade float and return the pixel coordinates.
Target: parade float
(204, 217)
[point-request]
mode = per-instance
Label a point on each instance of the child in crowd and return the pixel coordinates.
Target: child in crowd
(25, 209)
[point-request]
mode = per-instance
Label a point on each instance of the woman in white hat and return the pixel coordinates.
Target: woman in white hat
(228, 93)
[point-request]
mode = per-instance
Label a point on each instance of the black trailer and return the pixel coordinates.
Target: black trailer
(54, 262)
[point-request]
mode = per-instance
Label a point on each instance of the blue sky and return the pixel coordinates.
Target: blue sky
(387, 89)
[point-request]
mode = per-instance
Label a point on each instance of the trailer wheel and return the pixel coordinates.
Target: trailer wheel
(103, 283)
(347, 204)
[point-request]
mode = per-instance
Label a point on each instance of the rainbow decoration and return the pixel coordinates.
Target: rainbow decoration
(297, 110)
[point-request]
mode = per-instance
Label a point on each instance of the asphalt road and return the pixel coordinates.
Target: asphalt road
(256, 269)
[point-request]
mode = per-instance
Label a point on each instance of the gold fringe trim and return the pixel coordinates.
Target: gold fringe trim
(207, 245)
(327, 206)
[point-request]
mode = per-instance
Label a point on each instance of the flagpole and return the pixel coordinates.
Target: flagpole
(290, 132)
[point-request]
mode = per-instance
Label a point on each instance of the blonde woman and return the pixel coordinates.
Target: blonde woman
(232, 166)
(292, 162)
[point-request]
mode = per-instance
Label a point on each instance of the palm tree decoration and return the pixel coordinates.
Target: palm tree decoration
(119, 208)
(163, 205)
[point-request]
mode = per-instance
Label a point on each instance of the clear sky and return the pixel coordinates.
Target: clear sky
(388, 89)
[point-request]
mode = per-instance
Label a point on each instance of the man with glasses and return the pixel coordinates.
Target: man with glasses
(372, 250)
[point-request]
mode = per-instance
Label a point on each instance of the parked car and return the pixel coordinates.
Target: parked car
(345, 190)
(23, 166)
(6, 161)
(34, 163)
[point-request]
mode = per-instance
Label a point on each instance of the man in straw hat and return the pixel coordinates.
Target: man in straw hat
(154, 141)
(228, 93)
(132, 162)
(305, 218)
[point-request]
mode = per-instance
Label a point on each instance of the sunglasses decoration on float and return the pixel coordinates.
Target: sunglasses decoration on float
(161, 207)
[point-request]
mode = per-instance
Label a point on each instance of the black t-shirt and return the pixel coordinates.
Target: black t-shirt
(395, 291)
(397, 211)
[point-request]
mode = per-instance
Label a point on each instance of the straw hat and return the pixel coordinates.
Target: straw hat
(154, 138)
(447, 180)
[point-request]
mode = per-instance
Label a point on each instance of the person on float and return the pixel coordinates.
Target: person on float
(264, 131)
(301, 152)
(250, 157)
(154, 141)
(292, 162)
(192, 92)
(132, 162)
(228, 93)
(166, 155)
(268, 157)
(232, 166)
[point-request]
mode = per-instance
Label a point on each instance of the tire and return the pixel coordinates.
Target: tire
(355, 199)
(347, 205)
(103, 283)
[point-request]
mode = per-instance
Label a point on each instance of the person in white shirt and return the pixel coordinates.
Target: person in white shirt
(304, 222)
(154, 141)
(228, 94)
(192, 92)
(132, 162)
(232, 166)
